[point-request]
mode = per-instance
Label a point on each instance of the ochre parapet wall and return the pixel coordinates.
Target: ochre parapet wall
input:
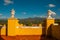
(12, 24)
(29, 31)
(3, 30)
(15, 29)
(49, 22)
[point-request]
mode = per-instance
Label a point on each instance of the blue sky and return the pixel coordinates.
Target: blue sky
(29, 8)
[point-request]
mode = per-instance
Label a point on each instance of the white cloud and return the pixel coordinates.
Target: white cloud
(6, 2)
(52, 5)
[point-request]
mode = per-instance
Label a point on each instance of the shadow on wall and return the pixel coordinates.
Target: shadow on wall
(49, 31)
(49, 35)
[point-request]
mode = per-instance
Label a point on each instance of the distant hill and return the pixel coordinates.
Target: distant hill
(3, 21)
(39, 19)
(35, 20)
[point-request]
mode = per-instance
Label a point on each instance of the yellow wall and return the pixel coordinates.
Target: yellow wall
(15, 29)
(12, 23)
(3, 30)
(29, 31)
(48, 23)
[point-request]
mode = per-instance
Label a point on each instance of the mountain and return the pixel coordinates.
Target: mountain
(35, 20)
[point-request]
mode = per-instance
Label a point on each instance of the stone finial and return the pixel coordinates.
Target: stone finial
(12, 13)
(50, 13)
